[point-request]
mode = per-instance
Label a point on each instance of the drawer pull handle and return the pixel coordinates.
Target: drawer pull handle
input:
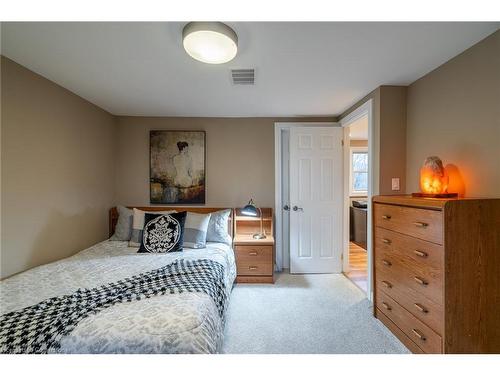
(386, 217)
(421, 308)
(420, 224)
(386, 306)
(422, 254)
(387, 284)
(420, 281)
(252, 268)
(385, 240)
(253, 253)
(419, 334)
(387, 263)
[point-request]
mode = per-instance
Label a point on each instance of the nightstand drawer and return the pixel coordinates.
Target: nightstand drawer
(254, 260)
(251, 252)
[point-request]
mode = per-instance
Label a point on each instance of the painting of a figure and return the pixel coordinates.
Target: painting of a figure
(177, 171)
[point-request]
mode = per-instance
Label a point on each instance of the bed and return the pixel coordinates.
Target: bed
(186, 322)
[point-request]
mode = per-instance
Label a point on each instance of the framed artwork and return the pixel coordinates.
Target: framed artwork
(177, 167)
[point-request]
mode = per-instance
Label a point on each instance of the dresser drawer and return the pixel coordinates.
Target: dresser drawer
(422, 335)
(419, 252)
(254, 260)
(421, 280)
(429, 312)
(397, 332)
(421, 223)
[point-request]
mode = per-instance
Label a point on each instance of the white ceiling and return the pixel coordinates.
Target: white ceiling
(302, 69)
(358, 130)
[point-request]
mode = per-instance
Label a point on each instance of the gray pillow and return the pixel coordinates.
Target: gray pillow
(195, 230)
(123, 228)
(217, 227)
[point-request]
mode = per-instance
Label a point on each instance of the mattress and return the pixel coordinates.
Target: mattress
(173, 323)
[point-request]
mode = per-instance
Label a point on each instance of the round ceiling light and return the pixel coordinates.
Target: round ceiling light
(210, 42)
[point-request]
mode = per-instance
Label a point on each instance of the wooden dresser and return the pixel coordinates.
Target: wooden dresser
(254, 258)
(437, 272)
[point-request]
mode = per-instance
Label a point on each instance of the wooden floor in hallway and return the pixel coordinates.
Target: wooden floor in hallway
(358, 263)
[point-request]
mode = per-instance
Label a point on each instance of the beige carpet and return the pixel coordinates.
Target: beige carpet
(304, 314)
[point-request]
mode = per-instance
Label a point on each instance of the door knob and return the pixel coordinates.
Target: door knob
(295, 208)
(286, 207)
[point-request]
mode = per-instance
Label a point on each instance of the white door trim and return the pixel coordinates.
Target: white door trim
(278, 127)
(366, 109)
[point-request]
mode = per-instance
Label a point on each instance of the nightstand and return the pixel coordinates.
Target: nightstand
(254, 258)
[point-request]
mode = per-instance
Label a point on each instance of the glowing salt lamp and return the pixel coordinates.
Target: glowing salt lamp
(434, 180)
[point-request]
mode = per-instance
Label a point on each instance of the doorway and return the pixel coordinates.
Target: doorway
(308, 197)
(357, 175)
(359, 187)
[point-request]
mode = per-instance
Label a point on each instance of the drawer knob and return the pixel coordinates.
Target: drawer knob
(420, 224)
(385, 240)
(419, 334)
(421, 308)
(421, 254)
(252, 268)
(386, 306)
(253, 253)
(420, 281)
(387, 263)
(386, 217)
(387, 284)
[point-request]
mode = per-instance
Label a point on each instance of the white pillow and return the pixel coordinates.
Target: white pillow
(138, 225)
(195, 230)
(217, 227)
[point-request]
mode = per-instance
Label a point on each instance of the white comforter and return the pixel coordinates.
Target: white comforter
(173, 323)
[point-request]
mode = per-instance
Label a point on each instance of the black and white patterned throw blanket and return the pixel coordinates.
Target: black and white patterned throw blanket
(40, 327)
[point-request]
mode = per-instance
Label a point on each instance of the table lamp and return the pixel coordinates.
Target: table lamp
(251, 210)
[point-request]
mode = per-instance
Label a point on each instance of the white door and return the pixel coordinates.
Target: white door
(316, 200)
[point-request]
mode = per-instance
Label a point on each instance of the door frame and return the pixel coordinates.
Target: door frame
(278, 128)
(366, 109)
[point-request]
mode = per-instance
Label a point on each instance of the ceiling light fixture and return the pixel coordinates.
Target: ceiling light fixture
(210, 42)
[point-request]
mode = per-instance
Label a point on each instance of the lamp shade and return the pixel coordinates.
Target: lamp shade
(249, 209)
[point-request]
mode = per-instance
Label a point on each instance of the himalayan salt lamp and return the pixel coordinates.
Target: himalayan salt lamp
(433, 179)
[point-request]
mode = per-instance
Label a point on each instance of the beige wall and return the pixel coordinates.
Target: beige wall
(239, 159)
(56, 170)
(389, 123)
(454, 113)
(392, 138)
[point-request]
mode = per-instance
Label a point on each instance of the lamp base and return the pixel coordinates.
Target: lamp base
(259, 236)
(441, 195)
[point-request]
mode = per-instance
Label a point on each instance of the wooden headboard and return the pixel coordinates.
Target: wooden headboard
(113, 214)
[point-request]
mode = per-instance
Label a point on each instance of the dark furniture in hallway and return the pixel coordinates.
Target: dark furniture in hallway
(357, 226)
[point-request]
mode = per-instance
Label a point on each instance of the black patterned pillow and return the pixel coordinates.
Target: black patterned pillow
(163, 233)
